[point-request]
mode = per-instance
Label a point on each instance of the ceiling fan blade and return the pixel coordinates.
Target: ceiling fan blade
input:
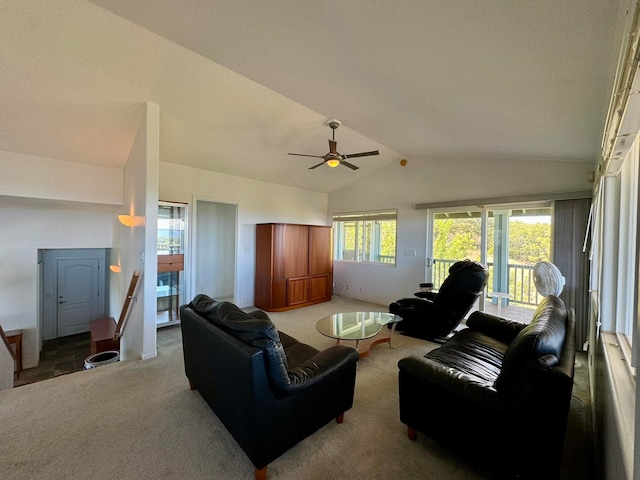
(332, 146)
(304, 155)
(363, 154)
(350, 165)
(316, 166)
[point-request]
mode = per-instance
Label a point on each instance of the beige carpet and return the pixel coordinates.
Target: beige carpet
(139, 420)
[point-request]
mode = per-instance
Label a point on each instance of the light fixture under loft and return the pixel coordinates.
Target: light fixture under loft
(130, 220)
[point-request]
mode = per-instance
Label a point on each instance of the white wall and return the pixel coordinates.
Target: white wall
(7, 366)
(47, 203)
(258, 202)
(434, 180)
(28, 176)
(137, 246)
(26, 227)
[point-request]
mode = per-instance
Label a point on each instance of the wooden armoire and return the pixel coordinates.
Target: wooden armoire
(294, 266)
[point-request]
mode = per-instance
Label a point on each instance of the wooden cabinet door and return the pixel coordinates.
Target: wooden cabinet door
(320, 287)
(265, 266)
(320, 250)
(291, 251)
(297, 290)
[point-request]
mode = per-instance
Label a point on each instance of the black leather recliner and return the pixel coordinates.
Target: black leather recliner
(434, 317)
(268, 389)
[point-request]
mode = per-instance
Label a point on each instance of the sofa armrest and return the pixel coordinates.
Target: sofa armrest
(319, 367)
(496, 327)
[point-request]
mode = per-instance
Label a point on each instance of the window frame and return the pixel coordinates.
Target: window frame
(363, 236)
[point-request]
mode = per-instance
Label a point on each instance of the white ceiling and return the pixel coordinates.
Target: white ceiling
(413, 79)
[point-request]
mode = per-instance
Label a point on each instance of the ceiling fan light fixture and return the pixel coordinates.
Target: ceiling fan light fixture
(333, 158)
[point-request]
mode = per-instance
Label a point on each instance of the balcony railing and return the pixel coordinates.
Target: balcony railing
(521, 286)
(351, 256)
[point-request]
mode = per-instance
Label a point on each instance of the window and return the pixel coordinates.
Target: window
(509, 239)
(616, 253)
(365, 237)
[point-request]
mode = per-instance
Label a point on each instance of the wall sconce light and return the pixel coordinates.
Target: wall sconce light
(115, 268)
(130, 220)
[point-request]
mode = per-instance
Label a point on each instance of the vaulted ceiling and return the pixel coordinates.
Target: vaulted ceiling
(242, 82)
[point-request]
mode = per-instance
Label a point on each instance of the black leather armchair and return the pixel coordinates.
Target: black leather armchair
(437, 316)
(269, 390)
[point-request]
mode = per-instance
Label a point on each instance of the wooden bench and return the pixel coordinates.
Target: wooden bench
(105, 332)
(103, 335)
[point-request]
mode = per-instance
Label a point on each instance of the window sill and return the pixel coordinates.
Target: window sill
(616, 398)
(625, 348)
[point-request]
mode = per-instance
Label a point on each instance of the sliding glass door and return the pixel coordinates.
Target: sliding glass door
(509, 239)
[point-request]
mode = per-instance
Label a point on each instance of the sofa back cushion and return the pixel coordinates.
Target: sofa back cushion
(258, 332)
(543, 336)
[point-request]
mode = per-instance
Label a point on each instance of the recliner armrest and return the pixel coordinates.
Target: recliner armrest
(422, 305)
(317, 368)
(496, 327)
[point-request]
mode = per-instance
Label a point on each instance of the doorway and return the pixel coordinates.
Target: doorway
(171, 249)
(73, 290)
(214, 249)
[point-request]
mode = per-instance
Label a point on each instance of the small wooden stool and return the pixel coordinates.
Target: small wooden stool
(102, 333)
(15, 338)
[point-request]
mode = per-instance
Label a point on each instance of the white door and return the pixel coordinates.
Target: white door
(78, 294)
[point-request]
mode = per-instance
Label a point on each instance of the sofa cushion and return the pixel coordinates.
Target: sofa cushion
(543, 336)
(471, 353)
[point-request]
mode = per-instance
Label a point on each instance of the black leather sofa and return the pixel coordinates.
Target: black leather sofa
(498, 391)
(269, 390)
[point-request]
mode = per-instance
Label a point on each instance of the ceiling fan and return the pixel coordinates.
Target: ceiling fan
(333, 158)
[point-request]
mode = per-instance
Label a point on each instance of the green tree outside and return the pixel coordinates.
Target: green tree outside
(529, 243)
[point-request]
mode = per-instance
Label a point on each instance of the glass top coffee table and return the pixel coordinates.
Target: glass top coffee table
(363, 328)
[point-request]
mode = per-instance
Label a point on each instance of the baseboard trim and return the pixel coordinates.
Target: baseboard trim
(148, 355)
